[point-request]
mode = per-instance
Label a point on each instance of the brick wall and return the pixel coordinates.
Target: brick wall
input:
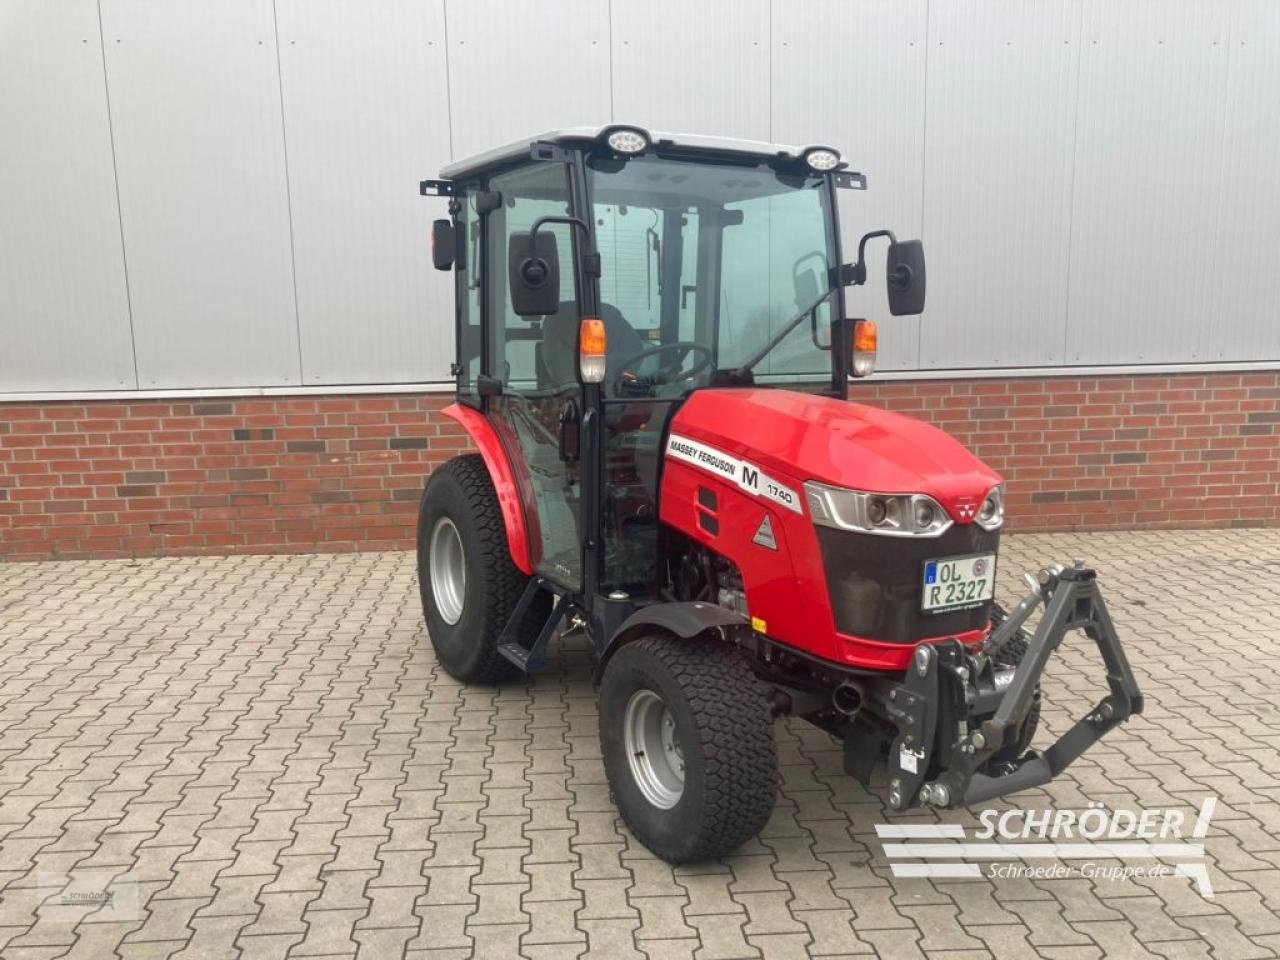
(147, 477)
(1094, 453)
(251, 475)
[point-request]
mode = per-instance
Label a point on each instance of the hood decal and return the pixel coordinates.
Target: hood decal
(747, 476)
(764, 536)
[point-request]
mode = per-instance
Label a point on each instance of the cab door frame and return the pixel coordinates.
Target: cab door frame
(488, 392)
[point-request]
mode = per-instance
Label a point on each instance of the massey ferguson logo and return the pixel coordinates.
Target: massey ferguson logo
(746, 475)
(967, 509)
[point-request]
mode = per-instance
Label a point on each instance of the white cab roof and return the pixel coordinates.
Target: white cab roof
(520, 148)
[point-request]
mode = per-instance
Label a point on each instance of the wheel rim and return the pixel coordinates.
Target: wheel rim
(448, 570)
(653, 749)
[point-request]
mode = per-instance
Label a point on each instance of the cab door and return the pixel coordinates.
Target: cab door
(533, 394)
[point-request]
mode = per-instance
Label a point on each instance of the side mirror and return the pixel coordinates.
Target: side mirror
(534, 274)
(904, 277)
(443, 245)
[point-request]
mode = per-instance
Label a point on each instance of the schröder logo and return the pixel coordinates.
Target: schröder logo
(1143, 840)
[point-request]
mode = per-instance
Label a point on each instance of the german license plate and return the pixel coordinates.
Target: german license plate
(958, 583)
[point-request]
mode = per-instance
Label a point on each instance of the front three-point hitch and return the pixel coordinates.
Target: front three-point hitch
(959, 714)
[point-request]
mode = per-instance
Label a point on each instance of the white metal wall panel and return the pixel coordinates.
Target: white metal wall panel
(366, 115)
(195, 105)
(1148, 177)
(1093, 180)
(64, 313)
(520, 67)
(699, 67)
(859, 84)
(997, 199)
(1245, 285)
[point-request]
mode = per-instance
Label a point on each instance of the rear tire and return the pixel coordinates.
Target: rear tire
(710, 717)
(468, 583)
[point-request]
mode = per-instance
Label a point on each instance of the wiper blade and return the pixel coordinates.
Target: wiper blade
(782, 334)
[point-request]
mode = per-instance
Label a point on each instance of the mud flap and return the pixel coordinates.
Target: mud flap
(946, 737)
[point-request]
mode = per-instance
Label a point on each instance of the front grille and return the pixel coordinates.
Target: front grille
(875, 582)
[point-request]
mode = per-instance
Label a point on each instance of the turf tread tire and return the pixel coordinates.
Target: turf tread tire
(735, 772)
(463, 490)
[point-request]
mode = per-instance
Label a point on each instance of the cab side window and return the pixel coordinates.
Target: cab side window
(629, 240)
(517, 344)
(770, 262)
(644, 281)
(467, 292)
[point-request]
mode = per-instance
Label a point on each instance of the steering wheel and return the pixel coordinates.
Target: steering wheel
(626, 379)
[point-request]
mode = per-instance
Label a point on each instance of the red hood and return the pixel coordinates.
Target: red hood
(845, 444)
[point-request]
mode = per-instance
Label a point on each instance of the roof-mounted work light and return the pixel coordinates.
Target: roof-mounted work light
(822, 159)
(628, 140)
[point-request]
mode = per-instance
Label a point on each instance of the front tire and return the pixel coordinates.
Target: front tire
(468, 583)
(688, 744)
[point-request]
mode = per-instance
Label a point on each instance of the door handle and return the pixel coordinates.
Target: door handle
(570, 433)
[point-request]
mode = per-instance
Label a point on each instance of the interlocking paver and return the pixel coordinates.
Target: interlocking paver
(553, 921)
(267, 751)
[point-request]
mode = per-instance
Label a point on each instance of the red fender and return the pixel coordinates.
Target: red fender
(487, 441)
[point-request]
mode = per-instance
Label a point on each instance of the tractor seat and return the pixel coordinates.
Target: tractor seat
(558, 352)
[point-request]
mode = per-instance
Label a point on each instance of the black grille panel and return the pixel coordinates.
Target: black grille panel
(874, 582)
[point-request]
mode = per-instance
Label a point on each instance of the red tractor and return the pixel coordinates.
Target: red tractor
(653, 362)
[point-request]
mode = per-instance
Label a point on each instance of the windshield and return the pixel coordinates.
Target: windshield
(715, 258)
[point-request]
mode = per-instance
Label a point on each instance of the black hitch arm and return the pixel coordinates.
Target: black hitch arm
(945, 681)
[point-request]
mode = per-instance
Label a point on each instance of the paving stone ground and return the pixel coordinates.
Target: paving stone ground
(259, 756)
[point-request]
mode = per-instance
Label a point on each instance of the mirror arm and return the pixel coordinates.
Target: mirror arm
(855, 274)
(590, 259)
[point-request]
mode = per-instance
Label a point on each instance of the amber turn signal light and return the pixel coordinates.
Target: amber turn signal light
(865, 339)
(592, 347)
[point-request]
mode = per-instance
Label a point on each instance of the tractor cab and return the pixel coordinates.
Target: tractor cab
(653, 361)
(612, 272)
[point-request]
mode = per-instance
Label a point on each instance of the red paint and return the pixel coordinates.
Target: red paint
(795, 437)
(505, 482)
(843, 444)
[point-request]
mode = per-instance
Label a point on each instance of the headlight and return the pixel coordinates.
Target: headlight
(627, 140)
(893, 515)
(821, 159)
(991, 513)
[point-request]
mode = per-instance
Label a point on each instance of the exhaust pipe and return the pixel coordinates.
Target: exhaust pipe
(847, 698)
